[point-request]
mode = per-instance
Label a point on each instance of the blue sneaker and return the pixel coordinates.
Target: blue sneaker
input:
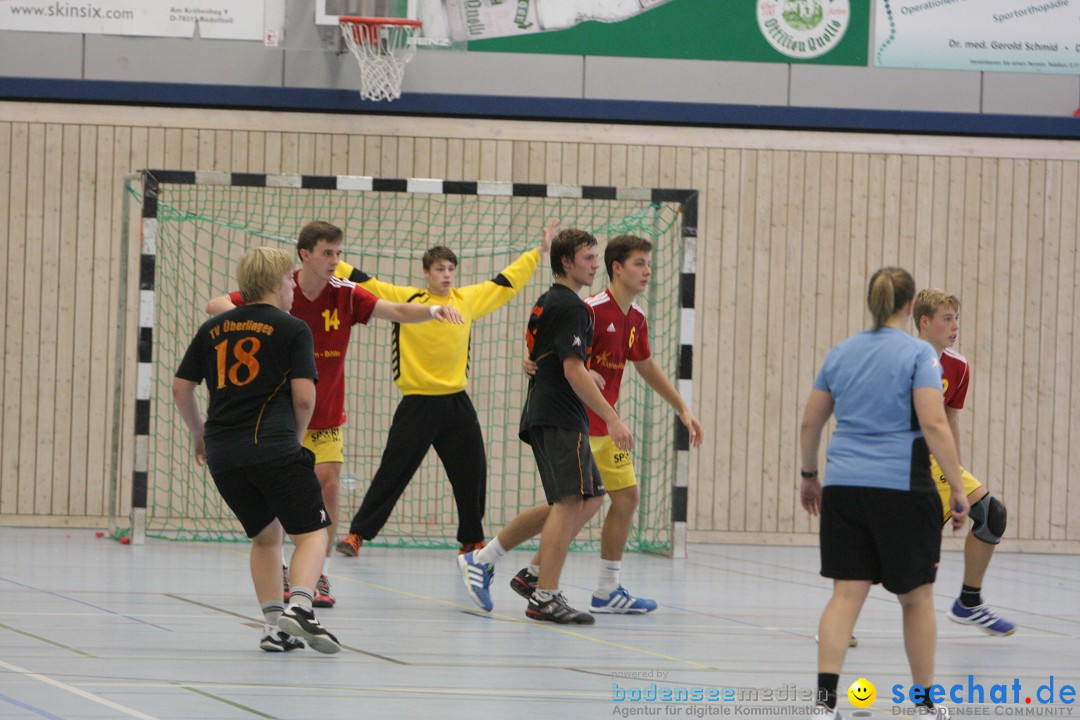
(477, 579)
(982, 617)
(621, 602)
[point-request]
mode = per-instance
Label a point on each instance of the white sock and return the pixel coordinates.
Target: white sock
(609, 577)
(535, 570)
(326, 566)
(272, 611)
(491, 552)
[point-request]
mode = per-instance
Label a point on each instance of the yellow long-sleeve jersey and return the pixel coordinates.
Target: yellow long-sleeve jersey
(432, 358)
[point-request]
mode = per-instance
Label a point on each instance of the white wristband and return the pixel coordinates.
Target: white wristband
(433, 309)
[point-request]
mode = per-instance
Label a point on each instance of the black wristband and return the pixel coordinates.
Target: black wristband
(808, 474)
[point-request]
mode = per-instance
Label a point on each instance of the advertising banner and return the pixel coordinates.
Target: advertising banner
(1033, 36)
(217, 19)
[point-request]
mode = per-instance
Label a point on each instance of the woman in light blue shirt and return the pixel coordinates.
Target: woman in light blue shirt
(880, 514)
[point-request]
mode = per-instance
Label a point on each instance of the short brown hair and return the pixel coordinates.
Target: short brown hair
(260, 271)
(313, 232)
(930, 300)
(437, 253)
(565, 245)
(620, 248)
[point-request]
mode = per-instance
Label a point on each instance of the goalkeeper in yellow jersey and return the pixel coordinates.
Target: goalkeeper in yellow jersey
(431, 370)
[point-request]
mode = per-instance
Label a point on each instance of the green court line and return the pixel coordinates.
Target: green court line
(47, 640)
(236, 705)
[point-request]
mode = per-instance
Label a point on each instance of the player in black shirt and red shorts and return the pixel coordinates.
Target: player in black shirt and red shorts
(259, 366)
(555, 424)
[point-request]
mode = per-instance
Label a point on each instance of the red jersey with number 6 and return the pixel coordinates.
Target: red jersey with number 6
(330, 316)
(954, 378)
(617, 338)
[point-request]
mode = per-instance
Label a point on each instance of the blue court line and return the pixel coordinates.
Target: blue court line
(31, 708)
(83, 602)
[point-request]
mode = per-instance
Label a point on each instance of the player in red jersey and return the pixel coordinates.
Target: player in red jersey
(621, 335)
(937, 315)
(331, 306)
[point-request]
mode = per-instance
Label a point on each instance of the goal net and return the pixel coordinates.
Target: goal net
(201, 225)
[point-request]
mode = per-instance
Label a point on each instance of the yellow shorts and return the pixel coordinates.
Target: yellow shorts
(970, 486)
(616, 466)
(326, 444)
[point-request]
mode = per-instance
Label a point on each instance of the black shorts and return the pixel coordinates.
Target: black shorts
(286, 489)
(887, 536)
(566, 463)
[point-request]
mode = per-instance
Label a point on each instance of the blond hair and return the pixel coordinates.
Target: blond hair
(890, 289)
(930, 300)
(260, 272)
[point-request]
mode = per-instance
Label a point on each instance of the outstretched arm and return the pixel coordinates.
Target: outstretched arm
(654, 377)
(414, 312)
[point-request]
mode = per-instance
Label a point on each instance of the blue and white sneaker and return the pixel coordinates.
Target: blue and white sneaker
(621, 602)
(982, 617)
(477, 579)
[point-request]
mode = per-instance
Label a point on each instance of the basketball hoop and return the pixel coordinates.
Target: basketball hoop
(382, 47)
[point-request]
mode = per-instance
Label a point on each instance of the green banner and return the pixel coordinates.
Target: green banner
(827, 32)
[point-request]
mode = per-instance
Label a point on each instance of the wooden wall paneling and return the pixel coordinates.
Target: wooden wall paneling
(967, 245)
(569, 160)
(470, 166)
(305, 153)
(322, 154)
(907, 209)
(877, 254)
(618, 177)
(206, 140)
(745, 237)
(1065, 318)
(1047, 344)
(271, 153)
(699, 181)
(553, 163)
(356, 147)
(239, 149)
(1013, 468)
(85, 192)
(890, 212)
(8, 448)
(339, 154)
(1036, 221)
(789, 381)
(172, 150)
(99, 351)
(775, 419)
(438, 158)
(712, 478)
(405, 162)
(922, 212)
(422, 158)
(154, 153)
(256, 152)
(504, 161)
(602, 165)
(488, 159)
(290, 153)
(34, 342)
(585, 173)
(993, 367)
(222, 148)
(455, 158)
(939, 272)
(49, 483)
(373, 155)
(828, 198)
(537, 163)
(851, 242)
(650, 166)
(122, 166)
(1072, 471)
(69, 269)
(973, 446)
(14, 331)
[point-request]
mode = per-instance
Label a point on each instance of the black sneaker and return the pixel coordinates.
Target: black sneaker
(557, 611)
(301, 623)
(274, 640)
(524, 583)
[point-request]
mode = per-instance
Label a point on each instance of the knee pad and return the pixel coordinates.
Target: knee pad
(989, 517)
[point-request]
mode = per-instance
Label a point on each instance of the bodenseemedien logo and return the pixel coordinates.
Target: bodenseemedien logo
(803, 29)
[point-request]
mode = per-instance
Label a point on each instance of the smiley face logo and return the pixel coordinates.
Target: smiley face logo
(862, 693)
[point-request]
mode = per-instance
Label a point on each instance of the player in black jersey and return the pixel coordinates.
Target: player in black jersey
(259, 366)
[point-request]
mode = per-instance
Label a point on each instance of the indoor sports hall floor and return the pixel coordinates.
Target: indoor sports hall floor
(90, 629)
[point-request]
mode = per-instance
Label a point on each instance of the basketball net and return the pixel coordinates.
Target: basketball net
(382, 47)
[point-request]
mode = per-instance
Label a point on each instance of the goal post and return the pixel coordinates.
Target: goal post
(196, 225)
